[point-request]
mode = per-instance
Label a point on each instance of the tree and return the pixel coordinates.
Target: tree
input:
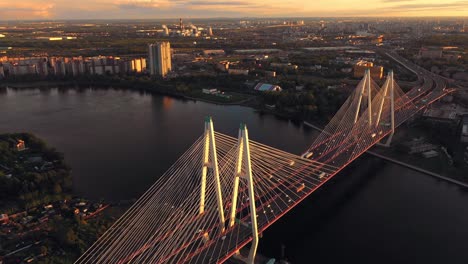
(44, 250)
(71, 237)
(57, 188)
(182, 87)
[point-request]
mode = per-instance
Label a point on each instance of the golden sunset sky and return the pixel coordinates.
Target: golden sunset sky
(154, 9)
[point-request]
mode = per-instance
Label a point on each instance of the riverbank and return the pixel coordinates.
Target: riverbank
(39, 219)
(31, 173)
(406, 165)
(247, 99)
(436, 175)
(203, 98)
(37, 84)
(237, 98)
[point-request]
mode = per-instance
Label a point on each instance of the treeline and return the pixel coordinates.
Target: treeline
(314, 102)
(181, 86)
(445, 40)
(22, 183)
(72, 236)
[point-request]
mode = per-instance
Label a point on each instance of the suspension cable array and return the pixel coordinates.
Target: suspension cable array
(181, 217)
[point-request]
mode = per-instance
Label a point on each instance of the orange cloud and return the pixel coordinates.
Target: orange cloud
(128, 9)
(26, 10)
(144, 3)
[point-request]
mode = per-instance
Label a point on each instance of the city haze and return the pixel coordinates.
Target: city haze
(156, 9)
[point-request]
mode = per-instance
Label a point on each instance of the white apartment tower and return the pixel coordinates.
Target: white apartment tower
(159, 58)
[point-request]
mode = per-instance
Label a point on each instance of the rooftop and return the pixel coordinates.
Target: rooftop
(267, 87)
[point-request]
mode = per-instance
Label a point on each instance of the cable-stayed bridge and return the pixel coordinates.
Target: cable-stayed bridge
(223, 192)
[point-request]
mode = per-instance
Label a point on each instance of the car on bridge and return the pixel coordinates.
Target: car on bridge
(308, 155)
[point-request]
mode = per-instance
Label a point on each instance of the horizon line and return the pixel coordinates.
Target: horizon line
(233, 17)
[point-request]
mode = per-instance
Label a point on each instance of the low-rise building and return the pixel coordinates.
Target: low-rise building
(238, 72)
(138, 65)
(286, 66)
(430, 154)
(20, 146)
(440, 115)
(210, 91)
(3, 218)
(464, 129)
(430, 52)
(214, 52)
(264, 87)
(222, 66)
(24, 69)
(452, 56)
(270, 74)
(418, 146)
(466, 153)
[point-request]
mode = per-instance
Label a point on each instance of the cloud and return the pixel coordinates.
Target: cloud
(220, 3)
(425, 6)
(156, 9)
(189, 4)
(196, 8)
(135, 4)
(26, 11)
(396, 1)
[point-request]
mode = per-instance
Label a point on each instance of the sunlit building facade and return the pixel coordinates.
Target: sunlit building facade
(159, 58)
(138, 65)
(361, 67)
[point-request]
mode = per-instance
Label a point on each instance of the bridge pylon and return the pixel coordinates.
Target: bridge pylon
(243, 170)
(365, 91)
(210, 161)
(388, 94)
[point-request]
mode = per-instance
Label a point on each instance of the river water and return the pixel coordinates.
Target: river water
(119, 142)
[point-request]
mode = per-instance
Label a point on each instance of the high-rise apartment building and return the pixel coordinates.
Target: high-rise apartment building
(159, 58)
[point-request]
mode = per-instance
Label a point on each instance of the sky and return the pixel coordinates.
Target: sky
(157, 9)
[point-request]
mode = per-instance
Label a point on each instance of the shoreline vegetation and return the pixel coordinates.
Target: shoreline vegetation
(40, 220)
(31, 173)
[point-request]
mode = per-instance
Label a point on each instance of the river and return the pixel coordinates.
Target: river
(119, 142)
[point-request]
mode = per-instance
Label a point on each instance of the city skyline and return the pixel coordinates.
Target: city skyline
(162, 9)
